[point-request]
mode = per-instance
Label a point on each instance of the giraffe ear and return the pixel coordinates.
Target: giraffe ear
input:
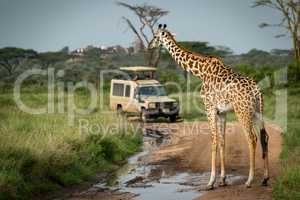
(160, 26)
(165, 26)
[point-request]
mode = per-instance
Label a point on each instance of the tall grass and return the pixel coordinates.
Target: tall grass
(287, 186)
(41, 153)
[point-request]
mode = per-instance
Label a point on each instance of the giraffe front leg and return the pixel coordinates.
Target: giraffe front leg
(212, 123)
(221, 123)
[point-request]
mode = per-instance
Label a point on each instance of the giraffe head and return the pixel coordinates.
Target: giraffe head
(159, 36)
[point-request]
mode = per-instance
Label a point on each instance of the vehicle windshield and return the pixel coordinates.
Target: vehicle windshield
(152, 91)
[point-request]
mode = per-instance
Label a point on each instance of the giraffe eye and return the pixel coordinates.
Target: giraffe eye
(162, 33)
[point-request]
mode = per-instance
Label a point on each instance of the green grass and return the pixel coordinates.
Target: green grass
(287, 186)
(42, 153)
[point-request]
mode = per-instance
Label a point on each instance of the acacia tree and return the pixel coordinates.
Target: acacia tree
(148, 17)
(48, 59)
(290, 10)
(12, 58)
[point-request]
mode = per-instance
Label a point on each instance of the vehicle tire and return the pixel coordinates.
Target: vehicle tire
(143, 116)
(173, 118)
(119, 110)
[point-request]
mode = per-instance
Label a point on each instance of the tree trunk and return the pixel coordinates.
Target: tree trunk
(298, 54)
(8, 67)
(296, 46)
(130, 25)
(297, 50)
(157, 59)
(153, 57)
(150, 58)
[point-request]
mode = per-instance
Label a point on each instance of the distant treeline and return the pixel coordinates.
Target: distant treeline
(87, 65)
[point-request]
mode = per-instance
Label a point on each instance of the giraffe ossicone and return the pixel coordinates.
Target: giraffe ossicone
(223, 90)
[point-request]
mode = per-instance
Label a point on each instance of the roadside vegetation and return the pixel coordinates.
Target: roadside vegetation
(287, 186)
(42, 153)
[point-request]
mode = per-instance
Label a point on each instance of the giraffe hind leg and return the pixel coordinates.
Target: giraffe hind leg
(264, 144)
(264, 141)
(247, 123)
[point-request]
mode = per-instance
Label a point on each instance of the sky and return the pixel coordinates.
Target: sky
(49, 25)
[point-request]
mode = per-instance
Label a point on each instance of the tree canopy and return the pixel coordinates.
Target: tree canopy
(12, 57)
(205, 48)
(290, 11)
(50, 58)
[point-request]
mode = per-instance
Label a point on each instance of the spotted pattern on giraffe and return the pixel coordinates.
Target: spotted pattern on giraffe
(222, 90)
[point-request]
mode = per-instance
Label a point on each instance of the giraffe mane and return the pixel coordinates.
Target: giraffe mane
(170, 35)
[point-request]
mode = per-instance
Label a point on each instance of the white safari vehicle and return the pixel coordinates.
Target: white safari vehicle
(140, 93)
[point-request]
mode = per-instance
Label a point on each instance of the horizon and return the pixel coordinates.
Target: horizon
(72, 50)
(51, 25)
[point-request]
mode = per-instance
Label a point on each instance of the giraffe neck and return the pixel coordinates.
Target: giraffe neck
(199, 65)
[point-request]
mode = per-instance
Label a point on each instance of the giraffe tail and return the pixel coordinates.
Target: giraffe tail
(264, 138)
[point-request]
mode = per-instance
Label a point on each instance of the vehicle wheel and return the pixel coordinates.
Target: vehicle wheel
(144, 117)
(119, 110)
(173, 118)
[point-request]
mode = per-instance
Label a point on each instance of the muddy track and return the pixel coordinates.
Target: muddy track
(194, 153)
(183, 162)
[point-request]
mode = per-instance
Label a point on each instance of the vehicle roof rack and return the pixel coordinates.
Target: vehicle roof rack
(138, 69)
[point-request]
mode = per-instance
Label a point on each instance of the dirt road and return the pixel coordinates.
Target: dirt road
(194, 154)
(188, 150)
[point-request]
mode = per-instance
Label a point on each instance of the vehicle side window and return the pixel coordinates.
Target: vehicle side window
(135, 95)
(118, 89)
(127, 91)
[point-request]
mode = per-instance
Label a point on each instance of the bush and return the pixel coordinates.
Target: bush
(294, 74)
(287, 186)
(255, 73)
(41, 153)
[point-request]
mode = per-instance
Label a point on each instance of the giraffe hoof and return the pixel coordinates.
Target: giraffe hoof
(223, 182)
(265, 182)
(248, 185)
(209, 187)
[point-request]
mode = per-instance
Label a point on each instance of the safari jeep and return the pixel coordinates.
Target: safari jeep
(140, 93)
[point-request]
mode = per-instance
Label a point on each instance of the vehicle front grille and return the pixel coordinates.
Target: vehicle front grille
(168, 105)
(164, 105)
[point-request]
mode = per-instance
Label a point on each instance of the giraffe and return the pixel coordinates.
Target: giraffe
(222, 91)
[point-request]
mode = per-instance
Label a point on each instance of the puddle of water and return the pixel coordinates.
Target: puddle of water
(162, 185)
(167, 189)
